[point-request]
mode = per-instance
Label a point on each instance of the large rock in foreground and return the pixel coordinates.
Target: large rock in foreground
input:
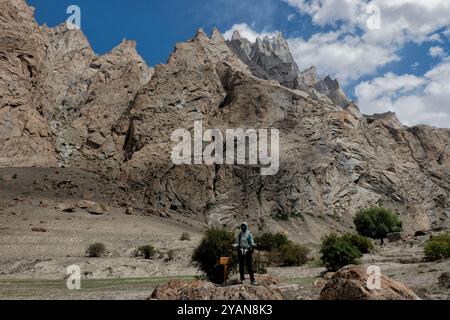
(203, 290)
(350, 283)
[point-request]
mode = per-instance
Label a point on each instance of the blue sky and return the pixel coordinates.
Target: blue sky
(158, 25)
(403, 66)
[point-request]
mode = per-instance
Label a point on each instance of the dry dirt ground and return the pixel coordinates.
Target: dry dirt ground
(33, 264)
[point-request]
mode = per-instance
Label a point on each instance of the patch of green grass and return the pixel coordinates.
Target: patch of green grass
(91, 284)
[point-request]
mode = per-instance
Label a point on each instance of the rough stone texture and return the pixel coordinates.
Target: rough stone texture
(394, 236)
(24, 132)
(350, 283)
(271, 59)
(267, 58)
(62, 104)
(333, 91)
(444, 280)
(203, 290)
(91, 207)
(95, 94)
(334, 161)
(59, 100)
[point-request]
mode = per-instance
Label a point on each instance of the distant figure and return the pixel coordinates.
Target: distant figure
(245, 246)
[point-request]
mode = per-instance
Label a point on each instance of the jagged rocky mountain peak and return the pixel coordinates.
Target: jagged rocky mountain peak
(308, 77)
(270, 58)
(215, 32)
(236, 35)
(201, 33)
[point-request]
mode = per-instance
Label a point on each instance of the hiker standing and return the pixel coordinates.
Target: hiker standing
(245, 246)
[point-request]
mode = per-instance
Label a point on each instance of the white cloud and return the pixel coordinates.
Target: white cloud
(358, 50)
(436, 37)
(436, 52)
(247, 32)
(401, 20)
(447, 33)
(416, 100)
(389, 85)
(291, 17)
(343, 56)
(352, 50)
(328, 12)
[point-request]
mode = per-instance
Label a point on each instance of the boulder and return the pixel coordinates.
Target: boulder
(444, 280)
(66, 207)
(204, 290)
(44, 203)
(7, 178)
(394, 236)
(319, 284)
(350, 283)
(39, 230)
(91, 207)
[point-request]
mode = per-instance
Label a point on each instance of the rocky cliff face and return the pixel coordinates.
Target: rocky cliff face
(25, 135)
(61, 104)
(271, 59)
(59, 100)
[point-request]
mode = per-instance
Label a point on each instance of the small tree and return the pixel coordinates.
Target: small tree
(185, 236)
(146, 251)
(377, 222)
(363, 244)
(216, 243)
(337, 252)
(271, 241)
(293, 254)
(438, 247)
(96, 250)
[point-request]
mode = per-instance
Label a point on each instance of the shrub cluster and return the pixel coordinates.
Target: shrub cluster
(364, 244)
(338, 252)
(96, 250)
(185, 236)
(438, 247)
(216, 243)
(280, 250)
(270, 241)
(145, 251)
(293, 254)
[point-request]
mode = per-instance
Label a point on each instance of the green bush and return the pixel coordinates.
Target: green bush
(438, 247)
(293, 254)
(270, 241)
(280, 250)
(146, 251)
(317, 262)
(338, 252)
(377, 222)
(216, 243)
(185, 236)
(259, 267)
(96, 250)
(363, 244)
